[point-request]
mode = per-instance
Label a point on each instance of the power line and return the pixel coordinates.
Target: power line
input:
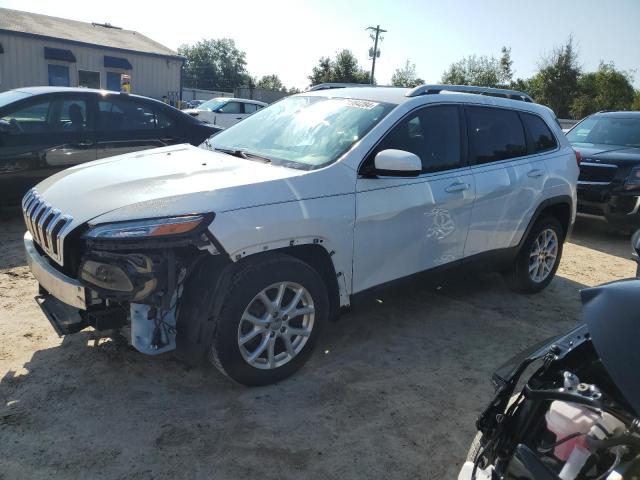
(376, 52)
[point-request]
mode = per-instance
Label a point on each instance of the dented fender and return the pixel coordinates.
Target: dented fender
(325, 221)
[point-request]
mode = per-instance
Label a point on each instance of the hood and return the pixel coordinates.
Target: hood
(166, 181)
(613, 153)
(612, 314)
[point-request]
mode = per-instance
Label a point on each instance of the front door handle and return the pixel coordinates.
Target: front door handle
(536, 172)
(238, 118)
(457, 187)
(84, 143)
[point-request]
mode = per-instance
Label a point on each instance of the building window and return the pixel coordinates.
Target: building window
(113, 81)
(59, 76)
(88, 79)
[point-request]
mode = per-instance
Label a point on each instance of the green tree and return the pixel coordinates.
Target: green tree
(604, 89)
(347, 70)
(636, 101)
(271, 82)
(556, 83)
(214, 64)
(506, 65)
(482, 71)
(406, 76)
(343, 69)
(322, 73)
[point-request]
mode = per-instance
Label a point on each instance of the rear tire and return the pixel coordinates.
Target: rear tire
(270, 320)
(539, 258)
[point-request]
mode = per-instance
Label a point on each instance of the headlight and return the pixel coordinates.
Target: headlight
(153, 228)
(132, 276)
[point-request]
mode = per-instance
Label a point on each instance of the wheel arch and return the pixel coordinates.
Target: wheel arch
(314, 251)
(559, 207)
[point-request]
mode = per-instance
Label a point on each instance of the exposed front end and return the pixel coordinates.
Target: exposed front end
(122, 276)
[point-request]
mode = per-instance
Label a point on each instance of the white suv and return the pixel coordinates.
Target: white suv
(224, 112)
(241, 251)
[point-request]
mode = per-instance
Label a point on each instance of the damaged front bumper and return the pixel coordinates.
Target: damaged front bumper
(65, 289)
(70, 306)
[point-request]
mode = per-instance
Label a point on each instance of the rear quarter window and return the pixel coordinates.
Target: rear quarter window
(540, 134)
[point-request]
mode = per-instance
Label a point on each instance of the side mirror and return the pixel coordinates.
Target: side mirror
(397, 163)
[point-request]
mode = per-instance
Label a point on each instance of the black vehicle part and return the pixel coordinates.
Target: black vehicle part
(64, 319)
(611, 312)
(110, 318)
(526, 465)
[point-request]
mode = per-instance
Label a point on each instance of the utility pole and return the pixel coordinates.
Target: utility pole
(375, 52)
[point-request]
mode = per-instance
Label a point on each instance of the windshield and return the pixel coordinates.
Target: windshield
(607, 131)
(213, 104)
(306, 132)
(11, 96)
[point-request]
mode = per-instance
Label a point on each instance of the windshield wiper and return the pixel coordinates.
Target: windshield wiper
(242, 154)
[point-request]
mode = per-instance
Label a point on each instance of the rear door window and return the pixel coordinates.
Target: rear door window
(116, 114)
(494, 134)
(540, 134)
(250, 108)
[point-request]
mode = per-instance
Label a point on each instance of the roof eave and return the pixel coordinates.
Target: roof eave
(92, 45)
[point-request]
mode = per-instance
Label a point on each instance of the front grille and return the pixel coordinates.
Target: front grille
(597, 172)
(47, 225)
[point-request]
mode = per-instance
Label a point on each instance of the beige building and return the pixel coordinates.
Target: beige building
(42, 50)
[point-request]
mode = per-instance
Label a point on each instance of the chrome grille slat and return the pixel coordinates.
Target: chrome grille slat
(47, 225)
(41, 225)
(49, 229)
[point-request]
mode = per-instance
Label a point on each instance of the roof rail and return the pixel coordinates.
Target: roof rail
(493, 92)
(327, 86)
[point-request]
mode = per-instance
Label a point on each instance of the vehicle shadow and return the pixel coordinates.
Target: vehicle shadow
(11, 247)
(392, 390)
(596, 234)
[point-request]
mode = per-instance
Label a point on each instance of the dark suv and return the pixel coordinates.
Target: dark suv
(46, 129)
(609, 182)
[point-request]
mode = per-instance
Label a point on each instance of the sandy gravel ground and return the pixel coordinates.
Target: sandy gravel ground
(392, 392)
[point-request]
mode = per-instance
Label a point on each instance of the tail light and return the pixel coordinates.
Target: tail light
(578, 156)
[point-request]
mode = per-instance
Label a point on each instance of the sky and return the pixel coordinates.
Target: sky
(288, 37)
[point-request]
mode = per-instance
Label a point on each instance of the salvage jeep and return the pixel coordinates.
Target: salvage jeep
(239, 251)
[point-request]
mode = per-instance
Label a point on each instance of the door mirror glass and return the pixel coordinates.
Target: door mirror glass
(397, 163)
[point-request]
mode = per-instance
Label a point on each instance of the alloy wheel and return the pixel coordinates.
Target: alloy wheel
(543, 256)
(276, 325)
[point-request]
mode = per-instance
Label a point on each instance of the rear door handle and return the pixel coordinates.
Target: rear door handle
(238, 118)
(536, 172)
(457, 187)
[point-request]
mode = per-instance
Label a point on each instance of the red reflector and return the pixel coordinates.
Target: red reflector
(578, 156)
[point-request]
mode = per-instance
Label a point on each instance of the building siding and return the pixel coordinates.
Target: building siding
(23, 65)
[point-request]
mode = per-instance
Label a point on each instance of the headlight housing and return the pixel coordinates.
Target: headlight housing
(633, 179)
(150, 228)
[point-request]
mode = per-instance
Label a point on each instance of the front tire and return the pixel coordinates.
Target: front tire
(270, 321)
(539, 258)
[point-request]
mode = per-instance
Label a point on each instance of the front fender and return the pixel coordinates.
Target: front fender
(326, 221)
